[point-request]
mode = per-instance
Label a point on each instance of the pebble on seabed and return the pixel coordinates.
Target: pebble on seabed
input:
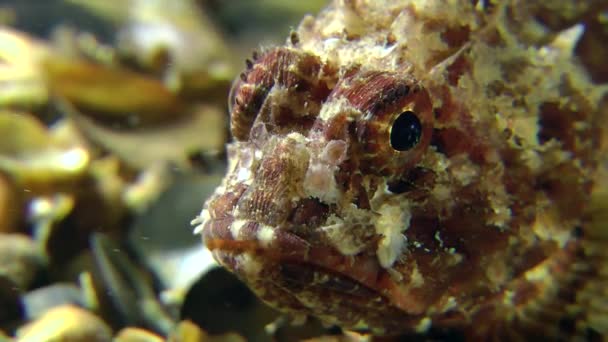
(10, 205)
(66, 324)
(131, 334)
(20, 259)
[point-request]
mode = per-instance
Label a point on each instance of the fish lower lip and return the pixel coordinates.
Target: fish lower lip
(361, 269)
(318, 280)
(280, 264)
(284, 246)
(287, 252)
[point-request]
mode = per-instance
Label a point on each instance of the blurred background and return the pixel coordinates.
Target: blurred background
(113, 121)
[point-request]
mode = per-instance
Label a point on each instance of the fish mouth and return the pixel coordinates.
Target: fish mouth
(277, 245)
(297, 276)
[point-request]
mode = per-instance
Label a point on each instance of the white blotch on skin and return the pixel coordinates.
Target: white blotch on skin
(393, 220)
(265, 235)
(320, 182)
(340, 237)
(319, 179)
(336, 107)
(243, 170)
(244, 175)
(334, 152)
(249, 264)
(235, 228)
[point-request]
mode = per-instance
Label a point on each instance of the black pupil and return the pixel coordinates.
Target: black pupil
(406, 131)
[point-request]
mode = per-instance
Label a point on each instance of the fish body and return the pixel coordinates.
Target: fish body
(408, 167)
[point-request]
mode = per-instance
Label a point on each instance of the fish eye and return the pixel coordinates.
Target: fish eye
(406, 131)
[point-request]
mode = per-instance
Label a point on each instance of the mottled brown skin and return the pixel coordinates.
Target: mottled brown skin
(480, 228)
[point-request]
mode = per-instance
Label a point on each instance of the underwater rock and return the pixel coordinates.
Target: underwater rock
(21, 79)
(202, 128)
(66, 323)
(186, 331)
(136, 335)
(36, 302)
(11, 205)
(37, 158)
(20, 259)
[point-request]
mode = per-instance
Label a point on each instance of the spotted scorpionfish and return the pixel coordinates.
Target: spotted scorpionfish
(420, 167)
